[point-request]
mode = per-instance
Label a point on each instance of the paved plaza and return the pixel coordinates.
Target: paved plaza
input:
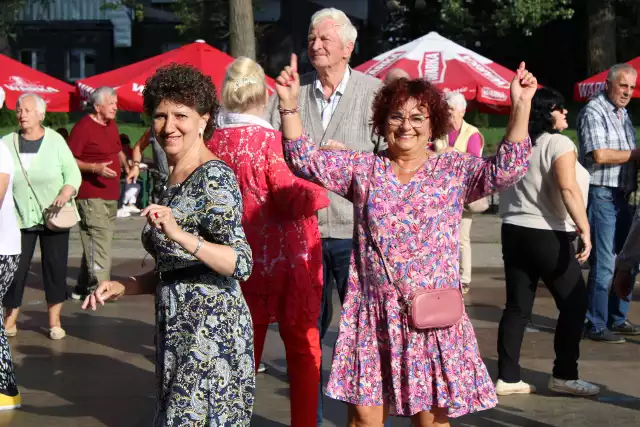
(101, 374)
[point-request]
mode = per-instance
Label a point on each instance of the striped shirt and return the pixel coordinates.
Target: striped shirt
(602, 125)
(327, 106)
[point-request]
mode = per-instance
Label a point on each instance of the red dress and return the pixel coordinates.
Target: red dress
(280, 222)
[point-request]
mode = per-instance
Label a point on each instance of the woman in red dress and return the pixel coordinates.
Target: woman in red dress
(280, 222)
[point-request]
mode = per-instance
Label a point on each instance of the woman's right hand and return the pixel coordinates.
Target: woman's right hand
(288, 85)
(106, 290)
(586, 247)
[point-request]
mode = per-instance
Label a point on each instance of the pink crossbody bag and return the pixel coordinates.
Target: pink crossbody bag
(427, 308)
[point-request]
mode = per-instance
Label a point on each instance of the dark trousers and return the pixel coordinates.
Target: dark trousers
(54, 248)
(336, 256)
(530, 255)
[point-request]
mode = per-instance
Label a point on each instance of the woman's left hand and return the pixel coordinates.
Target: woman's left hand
(161, 217)
(60, 201)
(523, 86)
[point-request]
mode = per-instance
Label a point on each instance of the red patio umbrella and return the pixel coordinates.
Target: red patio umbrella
(129, 81)
(450, 67)
(584, 90)
(17, 79)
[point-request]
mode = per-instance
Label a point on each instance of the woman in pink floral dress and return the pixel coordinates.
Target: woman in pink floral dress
(382, 365)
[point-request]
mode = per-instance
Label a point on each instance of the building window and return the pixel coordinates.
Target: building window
(33, 58)
(81, 63)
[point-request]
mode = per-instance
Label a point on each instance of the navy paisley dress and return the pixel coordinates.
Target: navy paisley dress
(204, 337)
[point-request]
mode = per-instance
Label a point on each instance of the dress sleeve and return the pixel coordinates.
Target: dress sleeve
(488, 175)
(331, 169)
(294, 197)
(221, 215)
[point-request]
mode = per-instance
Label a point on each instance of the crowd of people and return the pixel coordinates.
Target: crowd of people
(264, 207)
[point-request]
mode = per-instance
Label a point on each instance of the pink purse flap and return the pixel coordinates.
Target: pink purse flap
(436, 308)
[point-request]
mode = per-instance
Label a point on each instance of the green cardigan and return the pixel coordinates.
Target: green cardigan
(52, 168)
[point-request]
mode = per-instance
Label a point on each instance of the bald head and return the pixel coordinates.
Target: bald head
(395, 74)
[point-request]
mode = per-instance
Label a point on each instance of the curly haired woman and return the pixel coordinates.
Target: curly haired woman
(407, 202)
(204, 338)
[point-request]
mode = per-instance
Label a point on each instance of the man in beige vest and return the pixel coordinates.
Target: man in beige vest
(466, 139)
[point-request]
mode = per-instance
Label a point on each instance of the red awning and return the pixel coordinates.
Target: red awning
(17, 79)
(129, 81)
(450, 67)
(584, 90)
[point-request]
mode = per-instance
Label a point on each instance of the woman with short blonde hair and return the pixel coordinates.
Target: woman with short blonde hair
(282, 229)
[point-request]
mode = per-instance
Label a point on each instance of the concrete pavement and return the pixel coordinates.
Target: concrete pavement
(101, 374)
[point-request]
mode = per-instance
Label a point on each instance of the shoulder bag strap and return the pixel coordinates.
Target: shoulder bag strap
(374, 242)
(24, 171)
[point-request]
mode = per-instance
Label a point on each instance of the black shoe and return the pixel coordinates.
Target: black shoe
(605, 336)
(626, 328)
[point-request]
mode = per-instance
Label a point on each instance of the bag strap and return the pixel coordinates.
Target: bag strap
(374, 243)
(24, 171)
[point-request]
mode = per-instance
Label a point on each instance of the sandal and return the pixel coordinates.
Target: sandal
(11, 332)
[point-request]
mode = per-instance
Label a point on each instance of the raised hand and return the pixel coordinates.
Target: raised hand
(288, 84)
(523, 85)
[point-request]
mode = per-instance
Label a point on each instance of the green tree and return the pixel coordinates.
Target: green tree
(8, 12)
(470, 20)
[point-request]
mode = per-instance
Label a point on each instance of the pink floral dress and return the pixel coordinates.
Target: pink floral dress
(378, 358)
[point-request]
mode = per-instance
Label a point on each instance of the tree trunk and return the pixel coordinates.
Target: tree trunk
(242, 39)
(601, 27)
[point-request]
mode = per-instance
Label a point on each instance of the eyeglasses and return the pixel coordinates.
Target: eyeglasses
(558, 108)
(416, 122)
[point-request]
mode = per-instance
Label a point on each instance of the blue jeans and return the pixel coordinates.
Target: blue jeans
(336, 256)
(610, 219)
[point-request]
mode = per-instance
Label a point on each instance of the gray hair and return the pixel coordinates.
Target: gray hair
(41, 106)
(614, 71)
(97, 96)
(347, 32)
(456, 100)
(395, 74)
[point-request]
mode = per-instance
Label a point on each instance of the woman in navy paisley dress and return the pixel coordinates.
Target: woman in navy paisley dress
(204, 336)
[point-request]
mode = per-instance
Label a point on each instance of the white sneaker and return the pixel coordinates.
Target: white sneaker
(131, 209)
(262, 368)
(122, 213)
(505, 389)
(574, 387)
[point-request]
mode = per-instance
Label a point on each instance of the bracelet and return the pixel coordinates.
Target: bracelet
(200, 243)
(136, 163)
(286, 111)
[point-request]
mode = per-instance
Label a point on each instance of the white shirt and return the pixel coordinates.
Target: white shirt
(326, 107)
(536, 201)
(10, 243)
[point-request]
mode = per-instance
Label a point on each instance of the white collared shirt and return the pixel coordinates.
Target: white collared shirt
(326, 107)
